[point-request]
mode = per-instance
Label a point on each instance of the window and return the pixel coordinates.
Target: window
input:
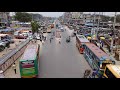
(109, 73)
(27, 64)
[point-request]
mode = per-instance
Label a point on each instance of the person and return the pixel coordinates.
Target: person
(50, 40)
(43, 42)
(14, 68)
(94, 73)
(86, 73)
(59, 41)
(69, 37)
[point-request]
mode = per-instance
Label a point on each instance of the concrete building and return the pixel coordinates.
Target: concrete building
(87, 18)
(67, 16)
(4, 17)
(77, 18)
(77, 15)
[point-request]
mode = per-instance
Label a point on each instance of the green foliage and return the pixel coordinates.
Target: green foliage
(105, 18)
(34, 26)
(23, 17)
(118, 18)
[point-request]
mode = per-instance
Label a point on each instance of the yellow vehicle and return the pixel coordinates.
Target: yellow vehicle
(112, 71)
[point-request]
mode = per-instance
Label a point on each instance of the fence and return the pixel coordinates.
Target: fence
(7, 60)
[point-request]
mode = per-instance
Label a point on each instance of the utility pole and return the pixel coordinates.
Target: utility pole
(102, 21)
(98, 26)
(113, 36)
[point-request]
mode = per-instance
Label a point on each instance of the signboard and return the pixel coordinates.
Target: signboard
(28, 71)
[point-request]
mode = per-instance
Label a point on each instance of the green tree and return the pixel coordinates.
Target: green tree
(105, 18)
(23, 17)
(118, 18)
(34, 26)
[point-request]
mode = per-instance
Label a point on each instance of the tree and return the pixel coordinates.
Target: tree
(23, 17)
(34, 26)
(105, 18)
(118, 18)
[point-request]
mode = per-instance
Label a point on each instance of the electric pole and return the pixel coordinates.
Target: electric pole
(98, 26)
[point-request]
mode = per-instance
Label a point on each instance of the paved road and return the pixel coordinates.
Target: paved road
(61, 60)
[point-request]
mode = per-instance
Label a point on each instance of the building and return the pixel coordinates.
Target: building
(87, 18)
(77, 15)
(77, 18)
(66, 17)
(5, 17)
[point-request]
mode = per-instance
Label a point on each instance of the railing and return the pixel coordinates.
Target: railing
(7, 60)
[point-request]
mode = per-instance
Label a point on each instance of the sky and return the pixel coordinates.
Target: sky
(57, 14)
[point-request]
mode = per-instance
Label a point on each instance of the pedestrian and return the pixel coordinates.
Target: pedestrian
(59, 41)
(86, 73)
(50, 40)
(94, 73)
(43, 42)
(14, 67)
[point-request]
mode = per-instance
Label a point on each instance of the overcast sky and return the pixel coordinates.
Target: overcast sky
(57, 14)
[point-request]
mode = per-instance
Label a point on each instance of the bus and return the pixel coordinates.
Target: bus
(112, 71)
(95, 57)
(80, 41)
(29, 62)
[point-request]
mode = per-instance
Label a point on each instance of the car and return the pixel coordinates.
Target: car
(62, 29)
(7, 42)
(10, 40)
(2, 46)
(38, 37)
(30, 37)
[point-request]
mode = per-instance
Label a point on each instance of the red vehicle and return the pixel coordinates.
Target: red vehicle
(52, 25)
(80, 41)
(20, 37)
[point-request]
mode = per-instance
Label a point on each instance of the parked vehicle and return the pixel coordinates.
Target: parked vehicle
(2, 46)
(38, 37)
(112, 71)
(20, 37)
(7, 42)
(62, 29)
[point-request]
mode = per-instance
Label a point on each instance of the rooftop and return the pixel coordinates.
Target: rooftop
(30, 52)
(82, 38)
(97, 51)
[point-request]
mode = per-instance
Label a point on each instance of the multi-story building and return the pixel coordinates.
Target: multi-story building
(77, 18)
(77, 15)
(87, 18)
(4, 17)
(66, 17)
